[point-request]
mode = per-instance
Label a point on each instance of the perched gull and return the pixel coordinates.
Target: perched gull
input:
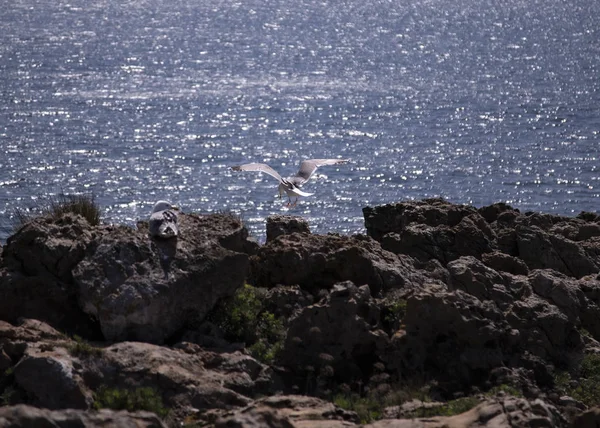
(163, 220)
(291, 185)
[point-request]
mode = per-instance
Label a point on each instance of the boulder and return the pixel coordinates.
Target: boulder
(560, 290)
(285, 224)
(49, 376)
(315, 262)
(46, 298)
(545, 331)
(147, 289)
(29, 416)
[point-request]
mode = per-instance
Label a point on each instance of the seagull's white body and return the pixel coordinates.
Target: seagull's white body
(291, 185)
(163, 220)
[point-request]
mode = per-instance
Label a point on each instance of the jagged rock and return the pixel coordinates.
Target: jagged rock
(289, 411)
(143, 289)
(492, 213)
(36, 278)
(505, 263)
(590, 317)
(545, 331)
(384, 219)
(285, 224)
(319, 261)
(451, 335)
(49, 247)
(472, 276)
(342, 332)
(430, 229)
(28, 416)
(541, 250)
(562, 291)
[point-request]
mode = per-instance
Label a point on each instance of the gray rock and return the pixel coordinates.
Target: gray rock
(541, 250)
(384, 219)
(470, 237)
(452, 334)
(472, 276)
(48, 247)
(318, 261)
(338, 332)
(36, 274)
(141, 289)
(503, 262)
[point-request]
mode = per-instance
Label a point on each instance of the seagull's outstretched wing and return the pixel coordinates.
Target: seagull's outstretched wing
(309, 166)
(258, 167)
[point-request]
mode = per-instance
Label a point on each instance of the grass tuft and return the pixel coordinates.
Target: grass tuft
(450, 408)
(57, 206)
(81, 348)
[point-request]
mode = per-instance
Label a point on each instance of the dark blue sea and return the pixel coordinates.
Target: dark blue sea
(476, 101)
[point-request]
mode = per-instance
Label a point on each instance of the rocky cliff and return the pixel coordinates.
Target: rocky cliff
(440, 315)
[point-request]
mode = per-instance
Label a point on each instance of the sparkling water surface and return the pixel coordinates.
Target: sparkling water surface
(476, 101)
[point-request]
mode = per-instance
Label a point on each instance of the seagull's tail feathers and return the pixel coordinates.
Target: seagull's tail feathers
(298, 192)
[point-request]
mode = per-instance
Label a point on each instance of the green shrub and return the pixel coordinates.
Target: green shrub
(242, 319)
(132, 400)
(238, 316)
(270, 333)
(393, 314)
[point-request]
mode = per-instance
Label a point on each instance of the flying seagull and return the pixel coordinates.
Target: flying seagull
(291, 185)
(163, 220)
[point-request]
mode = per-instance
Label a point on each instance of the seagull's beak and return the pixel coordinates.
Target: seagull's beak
(175, 207)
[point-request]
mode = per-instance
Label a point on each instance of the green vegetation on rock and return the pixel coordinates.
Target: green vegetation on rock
(450, 408)
(81, 348)
(242, 318)
(132, 400)
(584, 385)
